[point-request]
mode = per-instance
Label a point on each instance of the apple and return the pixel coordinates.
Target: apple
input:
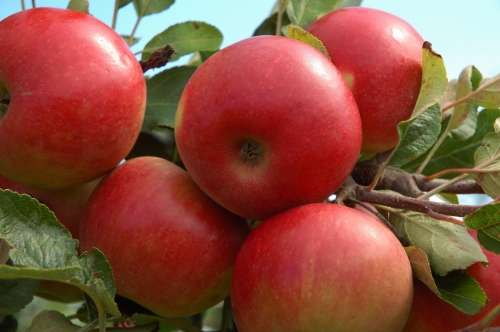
(380, 56)
(429, 313)
(267, 124)
(321, 267)
(170, 246)
(76, 98)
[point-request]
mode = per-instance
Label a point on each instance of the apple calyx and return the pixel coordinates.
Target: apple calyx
(250, 152)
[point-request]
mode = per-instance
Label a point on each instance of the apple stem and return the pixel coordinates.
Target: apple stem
(115, 14)
(158, 58)
(279, 18)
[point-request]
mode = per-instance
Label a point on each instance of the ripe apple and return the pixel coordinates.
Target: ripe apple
(77, 98)
(267, 124)
(68, 206)
(429, 313)
(321, 267)
(380, 56)
(170, 246)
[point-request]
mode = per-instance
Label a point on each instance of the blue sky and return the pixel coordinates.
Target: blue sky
(463, 33)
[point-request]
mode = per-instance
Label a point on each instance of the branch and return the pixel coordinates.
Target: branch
(158, 58)
(435, 210)
(410, 185)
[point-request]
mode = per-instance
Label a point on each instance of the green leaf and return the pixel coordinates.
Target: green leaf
(268, 26)
(185, 38)
(416, 136)
(163, 93)
(465, 80)
(148, 7)
(462, 291)
(488, 153)
(41, 248)
(98, 281)
(490, 96)
(458, 154)
(51, 320)
(181, 323)
(81, 6)
(296, 32)
(37, 239)
(486, 221)
(134, 39)
(421, 268)
(457, 288)
(348, 3)
(467, 128)
(447, 245)
(301, 12)
(449, 198)
(15, 294)
(123, 3)
(434, 81)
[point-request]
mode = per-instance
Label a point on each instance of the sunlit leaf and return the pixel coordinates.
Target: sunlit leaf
(416, 136)
(458, 154)
(464, 88)
(301, 12)
(447, 245)
(466, 129)
(81, 6)
(348, 3)
(148, 7)
(488, 152)
(434, 81)
(486, 221)
(490, 96)
(298, 33)
(186, 38)
(163, 93)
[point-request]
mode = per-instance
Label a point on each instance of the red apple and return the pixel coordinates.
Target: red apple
(170, 246)
(77, 98)
(380, 56)
(321, 267)
(429, 313)
(267, 124)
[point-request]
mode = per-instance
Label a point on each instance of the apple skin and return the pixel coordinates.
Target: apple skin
(170, 246)
(429, 313)
(267, 124)
(380, 56)
(321, 267)
(77, 98)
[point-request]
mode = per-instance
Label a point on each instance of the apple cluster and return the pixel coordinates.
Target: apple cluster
(267, 129)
